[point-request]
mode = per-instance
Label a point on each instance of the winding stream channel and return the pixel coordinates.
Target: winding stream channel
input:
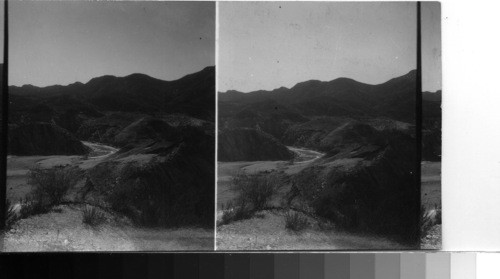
(99, 150)
(305, 155)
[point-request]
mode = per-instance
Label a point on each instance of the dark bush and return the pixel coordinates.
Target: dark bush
(11, 215)
(33, 204)
(294, 221)
(438, 216)
(175, 188)
(52, 184)
(232, 213)
(175, 193)
(256, 190)
(428, 219)
(92, 216)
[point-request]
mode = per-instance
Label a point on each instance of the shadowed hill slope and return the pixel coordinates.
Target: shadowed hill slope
(368, 187)
(244, 144)
(431, 126)
(43, 139)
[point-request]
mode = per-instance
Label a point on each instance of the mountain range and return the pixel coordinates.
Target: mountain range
(307, 113)
(191, 94)
(339, 97)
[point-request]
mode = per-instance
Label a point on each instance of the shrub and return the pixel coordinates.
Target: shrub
(52, 184)
(295, 221)
(438, 215)
(428, 219)
(92, 216)
(257, 190)
(33, 205)
(232, 213)
(159, 194)
(11, 215)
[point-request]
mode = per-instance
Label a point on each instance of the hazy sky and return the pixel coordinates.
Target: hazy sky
(273, 44)
(63, 42)
(431, 46)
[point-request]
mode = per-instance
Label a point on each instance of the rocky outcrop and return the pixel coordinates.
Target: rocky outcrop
(43, 139)
(244, 144)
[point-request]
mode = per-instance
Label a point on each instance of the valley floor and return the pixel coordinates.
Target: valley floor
(62, 228)
(431, 185)
(227, 170)
(266, 230)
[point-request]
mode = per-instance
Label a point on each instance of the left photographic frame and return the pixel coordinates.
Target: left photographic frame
(111, 126)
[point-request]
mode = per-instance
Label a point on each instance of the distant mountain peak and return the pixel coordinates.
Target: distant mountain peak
(307, 83)
(232, 92)
(101, 79)
(137, 75)
(282, 88)
(410, 75)
(28, 86)
(208, 68)
(77, 83)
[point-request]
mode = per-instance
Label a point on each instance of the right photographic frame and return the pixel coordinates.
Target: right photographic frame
(431, 237)
(329, 126)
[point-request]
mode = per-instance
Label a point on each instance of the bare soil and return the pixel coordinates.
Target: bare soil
(266, 231)
(431, 200)
(431, 184)
(62, 229)
(433, 239)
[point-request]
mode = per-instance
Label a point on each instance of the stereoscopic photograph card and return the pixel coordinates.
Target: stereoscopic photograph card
(319, 130)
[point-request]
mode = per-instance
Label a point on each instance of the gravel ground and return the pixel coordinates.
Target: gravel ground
(63, 230)
(433, 240)
(266, 231)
